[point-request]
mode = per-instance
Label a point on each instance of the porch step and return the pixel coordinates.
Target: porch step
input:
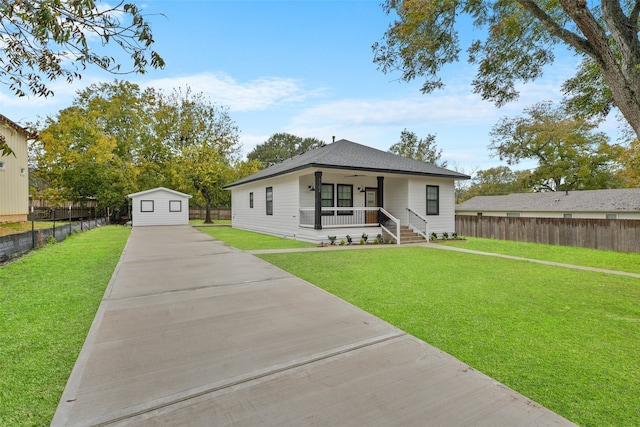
(407, 236)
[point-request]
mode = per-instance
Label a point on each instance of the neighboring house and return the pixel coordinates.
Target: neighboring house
(159, 206)
(599, 204)
(14, 173)
(344, 189)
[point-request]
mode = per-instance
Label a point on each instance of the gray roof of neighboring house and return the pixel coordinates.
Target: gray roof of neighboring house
(626, 199)
(348, 155)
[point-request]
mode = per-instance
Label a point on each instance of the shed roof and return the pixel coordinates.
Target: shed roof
(349, 155)
(611, 200)
(153, 190)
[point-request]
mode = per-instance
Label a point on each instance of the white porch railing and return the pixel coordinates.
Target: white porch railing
(350, 217)
(395, 221)
(417, 223)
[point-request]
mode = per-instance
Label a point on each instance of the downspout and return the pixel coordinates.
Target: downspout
(317, 213)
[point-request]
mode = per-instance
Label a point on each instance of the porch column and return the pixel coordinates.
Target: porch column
(317, 214)
(380, 197)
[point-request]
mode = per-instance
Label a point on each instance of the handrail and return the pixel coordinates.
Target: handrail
(396, 221)
(347, 216)
(340, 217)
(419, 223)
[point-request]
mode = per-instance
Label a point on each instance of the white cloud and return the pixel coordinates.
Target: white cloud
(254, 95)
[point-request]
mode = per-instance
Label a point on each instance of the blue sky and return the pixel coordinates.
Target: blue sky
(305, 67)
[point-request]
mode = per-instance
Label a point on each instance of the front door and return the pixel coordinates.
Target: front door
(371, 201)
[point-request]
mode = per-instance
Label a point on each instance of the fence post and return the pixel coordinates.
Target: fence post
(33, 233)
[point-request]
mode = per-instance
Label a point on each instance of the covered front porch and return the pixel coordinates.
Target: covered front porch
(354, 204)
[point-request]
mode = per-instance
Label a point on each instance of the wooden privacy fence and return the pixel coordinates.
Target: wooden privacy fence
(216, 213)
(621, 235)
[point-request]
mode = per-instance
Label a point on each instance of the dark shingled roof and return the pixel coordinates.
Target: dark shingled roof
(348, 155)
(626, 199)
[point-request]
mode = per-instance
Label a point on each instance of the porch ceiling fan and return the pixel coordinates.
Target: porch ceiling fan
(352, 176)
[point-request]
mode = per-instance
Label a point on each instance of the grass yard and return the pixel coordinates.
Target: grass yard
(568, 339)
(48, 299)
(610, 260)
(250, 241)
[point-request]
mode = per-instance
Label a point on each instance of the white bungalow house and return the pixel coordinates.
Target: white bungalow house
(159, 206)
(344, 189)
(621, 203)
(14, 173)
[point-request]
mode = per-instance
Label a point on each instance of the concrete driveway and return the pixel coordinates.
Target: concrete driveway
(192, 332)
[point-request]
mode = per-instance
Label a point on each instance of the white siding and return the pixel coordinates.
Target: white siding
(445, 221)
(396, 198)
(168, 207)
(283, 222)
(14, 177)
(292, 192)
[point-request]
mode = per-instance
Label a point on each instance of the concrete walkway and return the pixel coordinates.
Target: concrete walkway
(192, 332)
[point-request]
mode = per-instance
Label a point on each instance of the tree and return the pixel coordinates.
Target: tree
(5, 150)
(424, 150)
(629, 172)
(78, 159)
(205, 140)
(521, 36)
(282, 146)
(498, 181)
(567, 150)
(104, 146)
(50, 39)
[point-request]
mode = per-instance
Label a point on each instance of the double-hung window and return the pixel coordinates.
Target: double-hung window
(345, 198)
(433, 200)
(326, 198)
(269, 199)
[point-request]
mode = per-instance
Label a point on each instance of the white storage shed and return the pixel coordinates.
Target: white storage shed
(159, 206)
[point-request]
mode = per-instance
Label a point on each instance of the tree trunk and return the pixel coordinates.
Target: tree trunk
(621, 74)
(207, 215)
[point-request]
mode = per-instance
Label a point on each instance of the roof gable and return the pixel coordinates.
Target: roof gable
(610, 200)
(349, 155)
(158, 189)
(7, 122)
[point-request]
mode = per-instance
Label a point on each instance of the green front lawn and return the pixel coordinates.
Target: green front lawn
(609, 260)
(568, 339)
(48, 299)
(249, 241)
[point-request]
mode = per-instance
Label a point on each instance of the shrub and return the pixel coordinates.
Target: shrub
(364, 237)
(349, 239)
(332, 239)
